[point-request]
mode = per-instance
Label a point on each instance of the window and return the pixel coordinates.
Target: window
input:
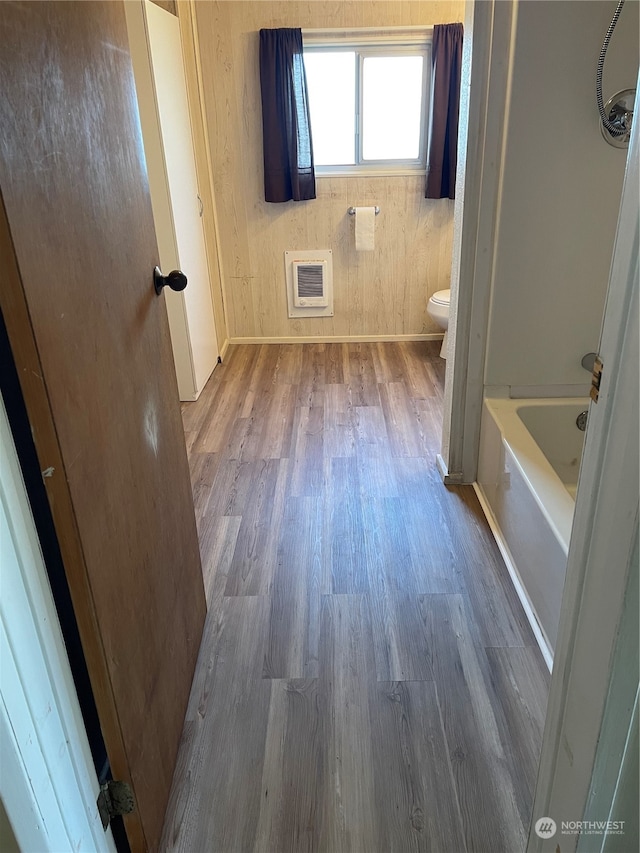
(368, 104)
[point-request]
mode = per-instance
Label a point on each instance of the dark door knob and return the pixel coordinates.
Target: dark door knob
(176, 280)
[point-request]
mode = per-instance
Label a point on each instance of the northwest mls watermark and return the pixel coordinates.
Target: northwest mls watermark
(546, 827)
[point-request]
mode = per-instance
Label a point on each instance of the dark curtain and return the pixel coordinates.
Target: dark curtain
(286, 126)
(443, 148)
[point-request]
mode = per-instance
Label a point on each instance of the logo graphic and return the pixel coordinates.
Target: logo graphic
(545, 827)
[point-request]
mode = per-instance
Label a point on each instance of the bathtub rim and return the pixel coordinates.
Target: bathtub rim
(547, 488)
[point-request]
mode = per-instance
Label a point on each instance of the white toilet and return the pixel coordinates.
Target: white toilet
(438, 310)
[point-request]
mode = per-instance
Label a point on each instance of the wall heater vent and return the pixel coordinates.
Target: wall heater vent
(309, 283)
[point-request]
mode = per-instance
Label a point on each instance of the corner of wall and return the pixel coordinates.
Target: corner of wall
(187, 17)
(491, 47)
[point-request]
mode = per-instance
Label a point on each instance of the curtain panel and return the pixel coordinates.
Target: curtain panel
(286, 125)
(443, 147)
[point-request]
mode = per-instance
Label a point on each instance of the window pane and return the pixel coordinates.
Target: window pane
(331, 81)
(392, 107)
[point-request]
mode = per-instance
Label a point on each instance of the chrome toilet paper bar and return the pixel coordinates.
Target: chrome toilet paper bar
(352, 211)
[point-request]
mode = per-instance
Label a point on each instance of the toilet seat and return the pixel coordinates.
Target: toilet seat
(441, 297)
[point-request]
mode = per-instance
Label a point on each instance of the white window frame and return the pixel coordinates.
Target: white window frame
(367, 43)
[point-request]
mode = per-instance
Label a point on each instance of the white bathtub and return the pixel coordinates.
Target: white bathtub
(529, 459)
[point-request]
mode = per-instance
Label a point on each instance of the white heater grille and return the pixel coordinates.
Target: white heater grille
(308, 284)
(309, 277)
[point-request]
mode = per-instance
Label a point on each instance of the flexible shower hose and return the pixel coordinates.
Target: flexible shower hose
(613, 129)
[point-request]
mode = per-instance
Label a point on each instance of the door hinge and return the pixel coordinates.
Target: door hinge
(596, 378)
(115, 798)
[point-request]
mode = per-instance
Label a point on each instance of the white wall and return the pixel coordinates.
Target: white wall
(560, 195)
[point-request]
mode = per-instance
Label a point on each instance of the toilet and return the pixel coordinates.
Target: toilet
(438, 310)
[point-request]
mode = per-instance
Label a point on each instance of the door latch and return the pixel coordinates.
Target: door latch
(596, 378)
(115, 798)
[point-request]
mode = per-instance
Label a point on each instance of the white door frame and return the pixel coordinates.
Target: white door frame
(602, 551)
(484, 101)
(155, 42)
(48, 784)
(616, 764)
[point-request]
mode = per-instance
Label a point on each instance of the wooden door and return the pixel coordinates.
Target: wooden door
(91, 342)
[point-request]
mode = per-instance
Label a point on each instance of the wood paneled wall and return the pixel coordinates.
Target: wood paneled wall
(379, 293)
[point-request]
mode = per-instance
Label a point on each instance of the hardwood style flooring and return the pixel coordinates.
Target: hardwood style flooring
(367, 681)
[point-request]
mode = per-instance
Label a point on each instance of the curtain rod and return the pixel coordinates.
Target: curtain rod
(320, 31)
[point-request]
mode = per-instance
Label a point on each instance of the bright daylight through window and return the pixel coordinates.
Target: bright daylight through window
(369, 106)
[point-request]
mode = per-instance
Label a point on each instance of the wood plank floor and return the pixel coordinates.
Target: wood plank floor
(367, 681)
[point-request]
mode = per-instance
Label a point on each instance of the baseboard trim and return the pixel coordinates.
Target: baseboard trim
(521, 592)
(448, 479)
(337, 339)
(224, 349)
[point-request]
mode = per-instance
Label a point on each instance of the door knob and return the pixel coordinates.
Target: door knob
(176, 280)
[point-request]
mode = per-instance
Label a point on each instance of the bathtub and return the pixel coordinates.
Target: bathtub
(529, 459)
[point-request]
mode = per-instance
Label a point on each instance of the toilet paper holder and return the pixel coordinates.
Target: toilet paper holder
(352, 211)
